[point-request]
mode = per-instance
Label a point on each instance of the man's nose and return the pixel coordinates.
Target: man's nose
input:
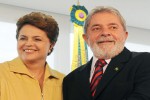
(105, 32)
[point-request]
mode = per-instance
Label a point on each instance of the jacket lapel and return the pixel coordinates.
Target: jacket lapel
(114, 67)
(84, 83)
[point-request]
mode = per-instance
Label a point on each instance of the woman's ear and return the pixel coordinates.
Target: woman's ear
(51, 46)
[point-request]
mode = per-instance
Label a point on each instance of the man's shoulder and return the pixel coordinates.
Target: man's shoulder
(140, 55)
(75, 72)
(78, 69)
(141, 59)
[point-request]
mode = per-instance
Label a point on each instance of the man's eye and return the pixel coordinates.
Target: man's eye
(113, 27)
(96, 29)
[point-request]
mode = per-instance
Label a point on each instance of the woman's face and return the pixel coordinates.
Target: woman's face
(33, 44)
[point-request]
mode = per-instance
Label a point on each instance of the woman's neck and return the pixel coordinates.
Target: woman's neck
(37, 70)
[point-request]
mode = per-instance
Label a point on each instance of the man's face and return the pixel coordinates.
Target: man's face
(105, 35)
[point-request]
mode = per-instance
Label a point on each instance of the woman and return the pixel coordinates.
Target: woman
(29, 77)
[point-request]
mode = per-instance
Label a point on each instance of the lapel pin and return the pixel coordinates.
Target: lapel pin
(116, 69)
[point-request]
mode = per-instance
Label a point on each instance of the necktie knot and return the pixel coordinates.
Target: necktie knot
(100, 62)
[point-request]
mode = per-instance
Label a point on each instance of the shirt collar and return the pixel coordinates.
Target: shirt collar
(16, 65)
(95, 59)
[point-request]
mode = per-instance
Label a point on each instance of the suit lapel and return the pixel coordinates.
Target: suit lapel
(84, 83)
(114, 67)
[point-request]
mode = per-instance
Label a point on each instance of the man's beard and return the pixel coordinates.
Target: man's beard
(106, 52)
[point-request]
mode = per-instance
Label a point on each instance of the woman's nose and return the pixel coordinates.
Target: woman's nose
(29, 43)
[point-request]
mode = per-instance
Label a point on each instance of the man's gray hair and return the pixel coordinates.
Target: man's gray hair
(101, 9)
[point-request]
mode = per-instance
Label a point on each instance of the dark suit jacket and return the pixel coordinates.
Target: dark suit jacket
(130, 82)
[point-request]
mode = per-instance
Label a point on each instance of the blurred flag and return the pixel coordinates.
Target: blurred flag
(78, 15)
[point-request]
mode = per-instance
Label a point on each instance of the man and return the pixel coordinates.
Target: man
(124, 76)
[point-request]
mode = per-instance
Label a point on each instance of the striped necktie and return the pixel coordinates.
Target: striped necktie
(100, 63)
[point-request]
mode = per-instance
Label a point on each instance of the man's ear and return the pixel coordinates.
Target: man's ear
(85, 37)
(126, 34)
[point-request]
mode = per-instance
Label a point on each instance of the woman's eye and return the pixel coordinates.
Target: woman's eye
(38, 40)
(22, 38)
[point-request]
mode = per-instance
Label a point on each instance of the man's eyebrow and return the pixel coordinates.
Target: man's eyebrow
(95, 25)
(113, 24)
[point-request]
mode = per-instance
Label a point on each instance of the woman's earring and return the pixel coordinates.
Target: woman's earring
(49, 52)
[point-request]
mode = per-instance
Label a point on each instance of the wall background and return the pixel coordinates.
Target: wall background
(60, 58)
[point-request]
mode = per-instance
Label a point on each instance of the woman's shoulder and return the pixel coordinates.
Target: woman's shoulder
(4, 69)
(58, 74)
(4, 65)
